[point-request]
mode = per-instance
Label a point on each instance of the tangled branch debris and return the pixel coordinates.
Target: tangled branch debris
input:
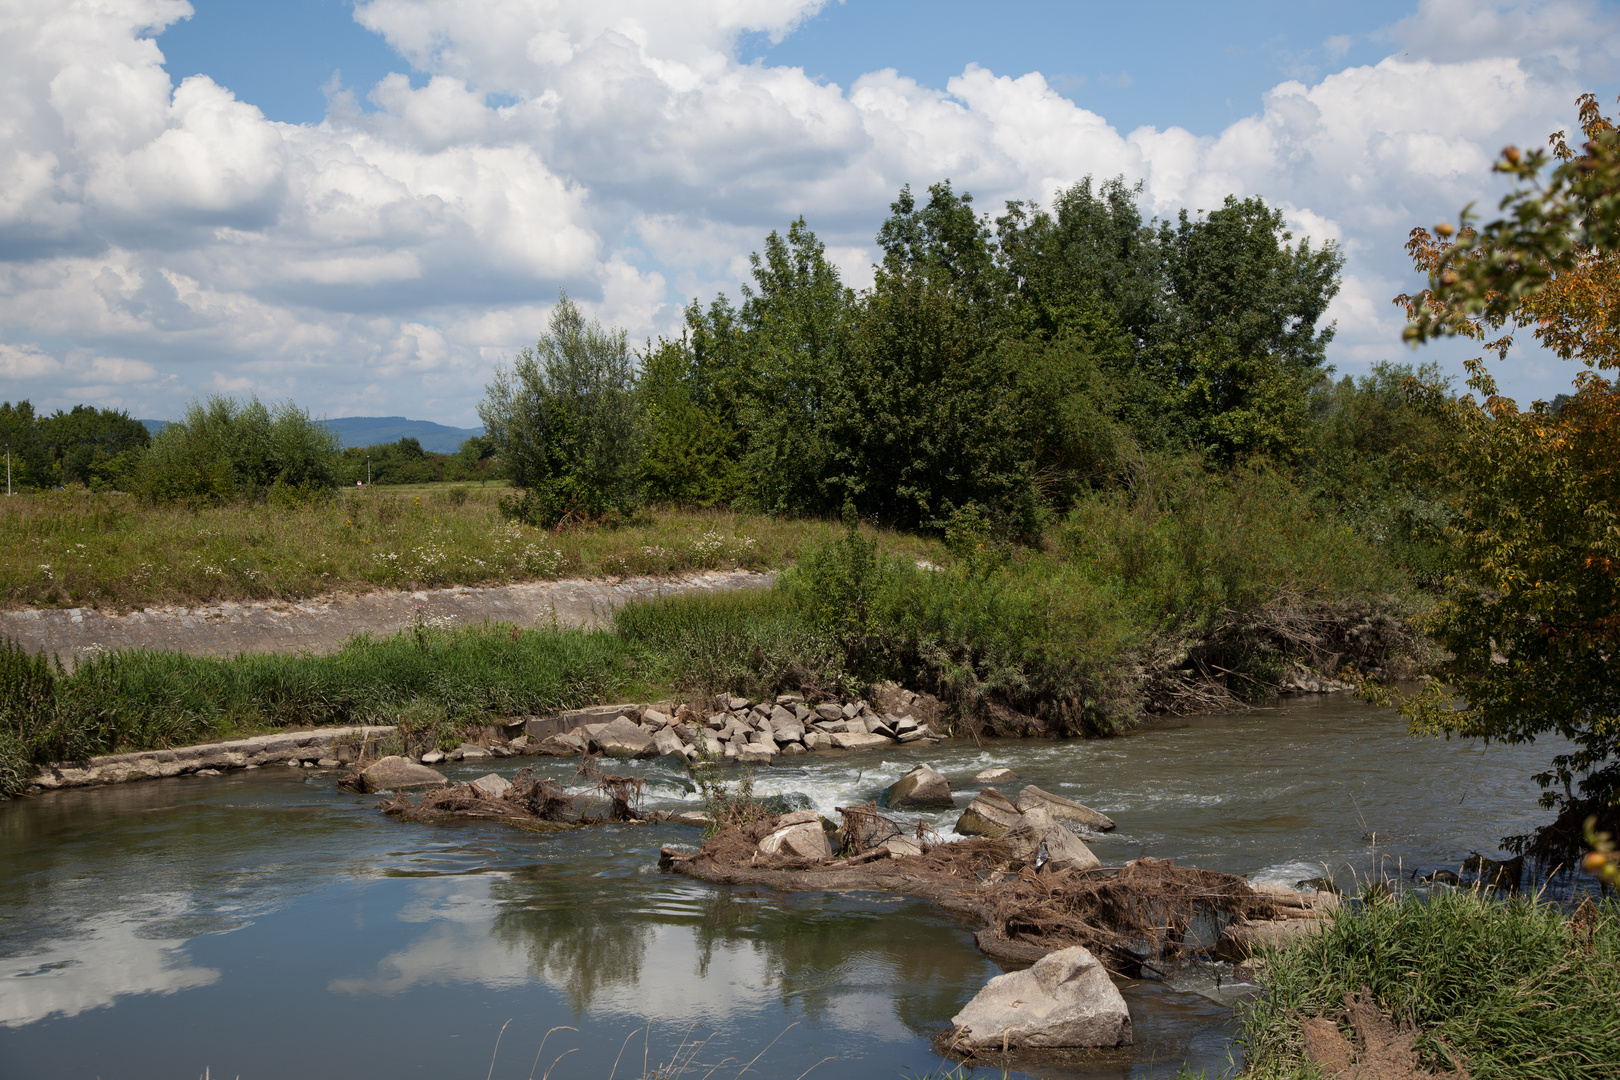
(530, 803)
(1144, 913)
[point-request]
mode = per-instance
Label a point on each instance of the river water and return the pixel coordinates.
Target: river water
(267, 924)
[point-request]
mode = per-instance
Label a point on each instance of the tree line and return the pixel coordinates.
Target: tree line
(221, 450)
(998, 366)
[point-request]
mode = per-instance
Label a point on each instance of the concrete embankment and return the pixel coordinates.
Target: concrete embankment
(321, 624)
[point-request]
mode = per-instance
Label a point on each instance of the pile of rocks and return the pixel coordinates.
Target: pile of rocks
(740, 730)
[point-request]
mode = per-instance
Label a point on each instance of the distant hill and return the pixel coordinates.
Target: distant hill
(370, 430)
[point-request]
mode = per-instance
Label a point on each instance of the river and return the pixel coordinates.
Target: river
(267, 924)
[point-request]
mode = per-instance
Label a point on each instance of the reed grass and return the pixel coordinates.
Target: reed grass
(143, 698)
(1514, 989)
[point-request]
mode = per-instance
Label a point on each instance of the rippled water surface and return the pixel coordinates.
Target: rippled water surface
(267, 924)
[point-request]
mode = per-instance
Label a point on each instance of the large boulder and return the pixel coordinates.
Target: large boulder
(1065, 1000)
(397, 773)
(921, 786)
(989, 814)
(667, 743)
(1064, 809)
(1064, 850)
(565, 744)
(623, 738)
(798, 835)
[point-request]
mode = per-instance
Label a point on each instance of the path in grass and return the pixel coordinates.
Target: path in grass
(323, 623)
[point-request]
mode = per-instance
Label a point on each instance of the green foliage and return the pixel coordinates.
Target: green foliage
(226, 449)
(565, 423)
(1531, 612)
(690, 452)
(753, 643)
(790, 345)
(144, 698)
(1207, 326)
(98, 448)
(27, 711)
(1515, 990)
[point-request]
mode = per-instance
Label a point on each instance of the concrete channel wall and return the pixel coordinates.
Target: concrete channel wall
(322, 624)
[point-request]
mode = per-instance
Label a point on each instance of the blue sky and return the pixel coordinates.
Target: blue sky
(366, 207)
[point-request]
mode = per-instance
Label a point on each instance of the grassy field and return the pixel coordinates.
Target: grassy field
(109, 551)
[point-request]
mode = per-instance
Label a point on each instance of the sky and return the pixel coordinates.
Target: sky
(366, 206)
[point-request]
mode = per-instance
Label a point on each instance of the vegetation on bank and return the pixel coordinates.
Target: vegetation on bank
(1190, 594)
(1515, 990)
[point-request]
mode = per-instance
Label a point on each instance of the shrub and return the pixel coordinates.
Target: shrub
(226, 449)
(565, 422)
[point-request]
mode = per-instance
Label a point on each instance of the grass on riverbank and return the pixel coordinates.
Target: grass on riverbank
(1512, 990)
(141, 699)
(110, 551)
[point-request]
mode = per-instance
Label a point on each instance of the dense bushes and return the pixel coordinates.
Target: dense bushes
(565, 423)
(226, 449)
(1007, 369)
(99, 448)
(1189, 590)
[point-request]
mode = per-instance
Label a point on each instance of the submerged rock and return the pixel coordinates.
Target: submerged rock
(995, 775)
(989, 814)
(395, 773)
(922, 786)
(1065, 1000)
(1064, 809)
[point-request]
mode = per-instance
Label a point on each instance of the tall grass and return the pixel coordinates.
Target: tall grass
(1520, 990)
(142, 698)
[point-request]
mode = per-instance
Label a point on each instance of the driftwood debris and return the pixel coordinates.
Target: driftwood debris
(530, 803)
(1141, 913)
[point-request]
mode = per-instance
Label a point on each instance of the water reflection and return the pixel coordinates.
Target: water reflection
(94, 968)
(890, 968)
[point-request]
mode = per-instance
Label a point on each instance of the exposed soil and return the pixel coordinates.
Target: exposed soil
(324, 623)
(1382, 1050)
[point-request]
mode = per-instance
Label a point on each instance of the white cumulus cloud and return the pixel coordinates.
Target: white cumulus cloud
(381, 261)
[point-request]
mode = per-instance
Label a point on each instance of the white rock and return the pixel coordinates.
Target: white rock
(1065, 1000)
(995, 775)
